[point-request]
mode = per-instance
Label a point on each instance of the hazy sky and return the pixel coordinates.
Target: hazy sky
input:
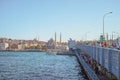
(76, 19)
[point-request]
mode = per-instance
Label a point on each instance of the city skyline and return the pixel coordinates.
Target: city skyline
(76, 19)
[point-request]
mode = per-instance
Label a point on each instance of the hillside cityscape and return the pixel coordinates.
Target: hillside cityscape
(52, 45)
(35, 44)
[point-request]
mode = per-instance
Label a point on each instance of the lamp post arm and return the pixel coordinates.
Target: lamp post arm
(103, 22)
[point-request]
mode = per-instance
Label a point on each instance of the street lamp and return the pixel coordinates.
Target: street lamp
(103, 21)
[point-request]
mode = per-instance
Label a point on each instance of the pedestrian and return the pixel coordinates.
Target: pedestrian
(99, 69)
(96, 69)
(118, 46)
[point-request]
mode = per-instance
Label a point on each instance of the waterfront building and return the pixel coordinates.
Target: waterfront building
(51, 44)
(71, 44)
(21, 46)
(54, 46)
(4, 46)
(61, 48)
(43, 43)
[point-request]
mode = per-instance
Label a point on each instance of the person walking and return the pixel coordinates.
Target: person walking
(96, 69)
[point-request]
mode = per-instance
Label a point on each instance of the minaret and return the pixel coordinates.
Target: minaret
(60, 38)
(55, 38)
(38, 38)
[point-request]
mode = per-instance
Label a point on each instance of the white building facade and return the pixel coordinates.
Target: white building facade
(4, 46)
(71, 43)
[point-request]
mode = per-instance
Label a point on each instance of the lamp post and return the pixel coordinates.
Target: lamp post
(103, 21)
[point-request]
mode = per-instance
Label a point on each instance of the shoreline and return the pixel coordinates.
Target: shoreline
(35, 50)
(31, 50)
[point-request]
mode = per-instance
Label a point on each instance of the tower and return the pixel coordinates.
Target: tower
(55, 37)
(60, 38)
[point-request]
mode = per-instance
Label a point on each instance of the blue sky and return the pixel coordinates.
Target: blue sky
(76, 19)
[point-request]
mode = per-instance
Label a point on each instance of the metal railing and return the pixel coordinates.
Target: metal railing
(107, 57)
(91, 74)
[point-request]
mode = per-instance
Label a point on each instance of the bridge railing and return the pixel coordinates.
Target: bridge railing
(88, 70)
(107, 57)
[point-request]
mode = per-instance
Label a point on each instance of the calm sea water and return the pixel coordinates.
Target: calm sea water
(38, 66)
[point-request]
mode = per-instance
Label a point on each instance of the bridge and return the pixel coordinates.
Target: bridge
(90, 73)
(107, 58)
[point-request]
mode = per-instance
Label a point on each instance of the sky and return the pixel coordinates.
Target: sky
(76, 19)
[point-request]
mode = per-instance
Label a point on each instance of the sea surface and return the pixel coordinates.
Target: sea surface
(38, 66)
